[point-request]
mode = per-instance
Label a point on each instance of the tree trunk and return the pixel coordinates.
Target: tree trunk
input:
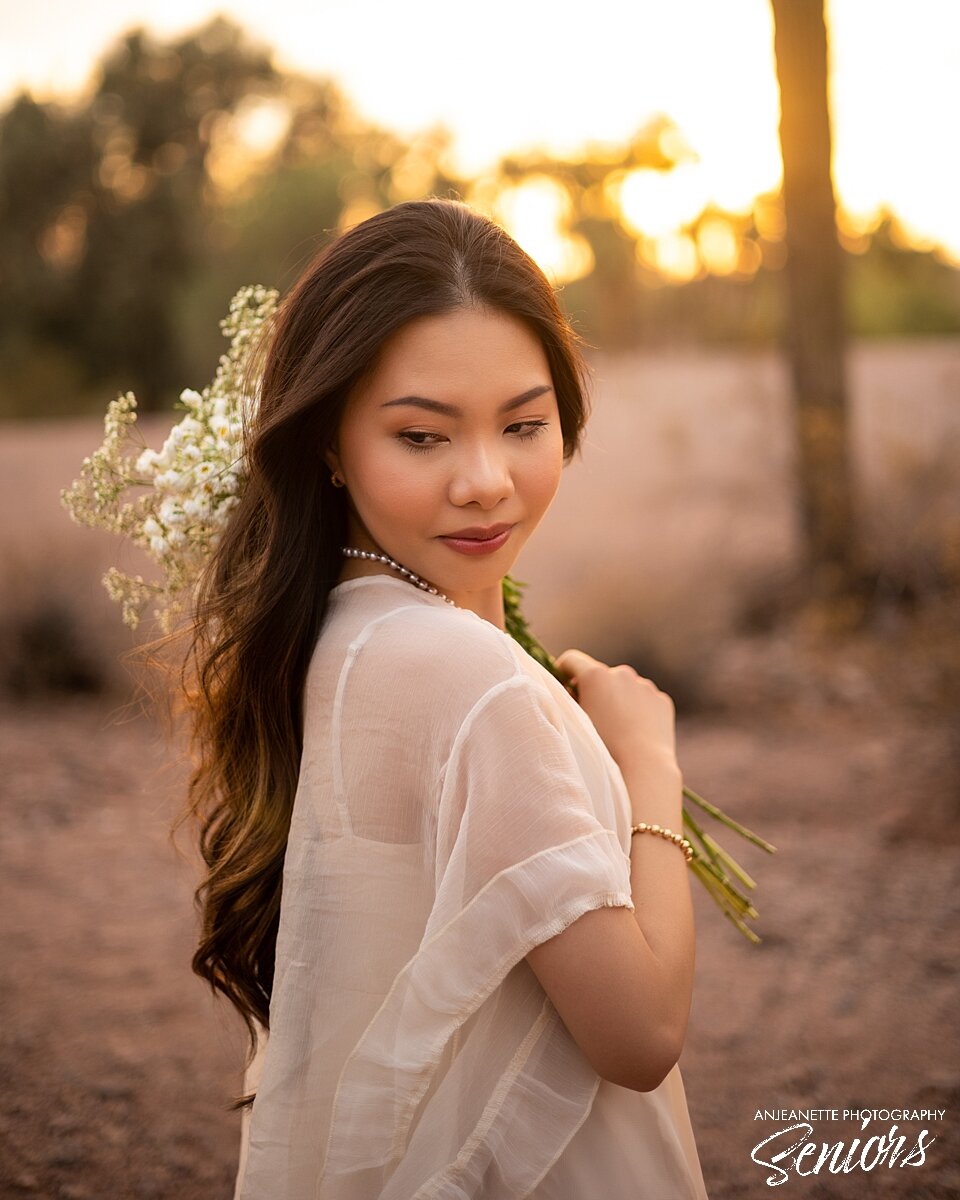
(815, 333)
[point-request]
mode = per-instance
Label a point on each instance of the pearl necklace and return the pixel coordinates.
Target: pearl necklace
(353, 552)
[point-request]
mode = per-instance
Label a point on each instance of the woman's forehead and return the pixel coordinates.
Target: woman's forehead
(463, 353)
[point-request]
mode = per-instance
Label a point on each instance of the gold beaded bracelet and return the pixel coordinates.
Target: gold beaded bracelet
(663, 832)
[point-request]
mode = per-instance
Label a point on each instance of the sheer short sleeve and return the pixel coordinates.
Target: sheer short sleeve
(514, 804)
(466, 1082)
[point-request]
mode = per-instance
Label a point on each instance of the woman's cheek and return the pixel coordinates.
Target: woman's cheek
(394, 480)
(543, 481)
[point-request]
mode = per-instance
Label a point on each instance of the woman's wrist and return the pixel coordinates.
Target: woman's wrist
(655, 789)
(645, 759)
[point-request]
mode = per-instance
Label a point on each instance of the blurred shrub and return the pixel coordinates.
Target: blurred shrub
(891, 289)
(43, 652)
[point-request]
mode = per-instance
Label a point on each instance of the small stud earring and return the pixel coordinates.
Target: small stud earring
(336, 480)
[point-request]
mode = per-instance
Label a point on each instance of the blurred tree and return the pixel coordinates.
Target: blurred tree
(103, 215)
(44, 153)
(328, 169)
(815, 316)
(129, 217)
(153, 115)
(892, 287)
(610, 297)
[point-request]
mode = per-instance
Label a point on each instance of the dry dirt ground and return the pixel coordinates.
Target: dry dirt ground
(117, 1066)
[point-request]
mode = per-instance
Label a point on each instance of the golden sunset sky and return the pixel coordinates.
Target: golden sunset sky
(508, 76)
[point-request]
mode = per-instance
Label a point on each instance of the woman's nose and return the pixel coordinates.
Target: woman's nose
(481, 475)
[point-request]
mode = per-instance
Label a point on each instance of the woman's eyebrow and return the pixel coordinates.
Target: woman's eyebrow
(451, 410)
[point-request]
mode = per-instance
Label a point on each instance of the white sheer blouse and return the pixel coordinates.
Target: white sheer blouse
(455, 808)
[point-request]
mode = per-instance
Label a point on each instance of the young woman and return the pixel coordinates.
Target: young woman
(463, 976)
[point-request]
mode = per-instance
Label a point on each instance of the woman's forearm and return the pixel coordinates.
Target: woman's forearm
(660, 886)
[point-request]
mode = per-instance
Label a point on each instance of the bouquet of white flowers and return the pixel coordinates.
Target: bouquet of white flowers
(187, 490)
(189, 486)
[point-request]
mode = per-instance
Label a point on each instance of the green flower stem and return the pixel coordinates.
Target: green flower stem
(710, 863)
(729, 821)
(701, 837)
(730, 863)
(718, 894)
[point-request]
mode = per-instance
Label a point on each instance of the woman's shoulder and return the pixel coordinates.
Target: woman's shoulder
(431, 642)
(407, 646)
(397, 664)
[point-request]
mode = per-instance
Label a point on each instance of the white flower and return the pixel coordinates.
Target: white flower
(172, 481)
(170, 512)
(196, 477)
(146, 462)
(191, 427)
(226, 505)
(196, 506)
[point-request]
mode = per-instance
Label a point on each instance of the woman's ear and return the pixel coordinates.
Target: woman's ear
(331, 458)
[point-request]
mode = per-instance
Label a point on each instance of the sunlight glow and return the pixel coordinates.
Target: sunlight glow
(536, 213)
(241, 145)
(769, 218)
(718, 247)
(674, 255)
(260, 123)
(894, 88)
(658, 202)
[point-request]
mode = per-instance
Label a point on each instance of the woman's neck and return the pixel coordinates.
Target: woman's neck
(487, 604)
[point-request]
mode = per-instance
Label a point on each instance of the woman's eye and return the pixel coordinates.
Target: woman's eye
(533, 428)
(416, 446)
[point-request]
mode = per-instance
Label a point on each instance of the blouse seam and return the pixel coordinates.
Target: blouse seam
(519, 678)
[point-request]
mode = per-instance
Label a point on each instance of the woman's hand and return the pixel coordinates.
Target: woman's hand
(635, 720)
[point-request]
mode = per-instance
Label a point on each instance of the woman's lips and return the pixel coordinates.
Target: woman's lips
(464, 545)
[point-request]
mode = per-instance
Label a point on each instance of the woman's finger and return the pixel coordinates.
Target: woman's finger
(571, 663)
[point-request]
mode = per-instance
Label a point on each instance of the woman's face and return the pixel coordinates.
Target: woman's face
(456, 431)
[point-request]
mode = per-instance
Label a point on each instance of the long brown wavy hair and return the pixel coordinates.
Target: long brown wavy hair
(262, 599)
